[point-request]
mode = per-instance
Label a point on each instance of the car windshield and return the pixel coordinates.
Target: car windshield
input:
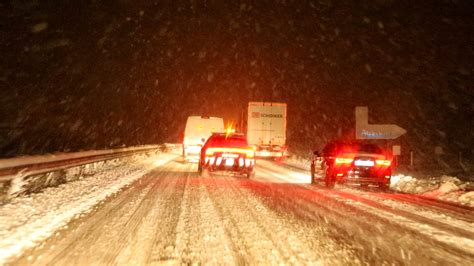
(369, 148)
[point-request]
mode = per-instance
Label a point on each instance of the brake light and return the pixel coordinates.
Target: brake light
(383, 162)
(249, 153)
(344, 160)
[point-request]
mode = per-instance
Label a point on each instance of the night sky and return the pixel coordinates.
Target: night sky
(79, 75)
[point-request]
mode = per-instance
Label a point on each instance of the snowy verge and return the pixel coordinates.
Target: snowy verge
(36, 159)
(443, 187)
(27, 220)
(28, 174)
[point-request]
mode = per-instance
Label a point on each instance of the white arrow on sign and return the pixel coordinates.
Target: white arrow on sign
(364, 130)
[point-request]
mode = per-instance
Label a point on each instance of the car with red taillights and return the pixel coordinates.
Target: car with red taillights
(228, 152)
(352, 163)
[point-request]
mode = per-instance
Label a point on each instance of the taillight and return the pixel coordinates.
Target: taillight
(383, 162)
(344, 160)
(250, 153)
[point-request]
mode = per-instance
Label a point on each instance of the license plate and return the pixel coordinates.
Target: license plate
(364, 163)
(229, 162)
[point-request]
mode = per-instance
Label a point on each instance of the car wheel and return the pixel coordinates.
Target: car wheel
(329, 179)
(384, 187)
(250, 174)
(329, 182)
(200, 169)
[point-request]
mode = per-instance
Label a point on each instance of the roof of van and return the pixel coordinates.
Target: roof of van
(268, 103)
(203, 117)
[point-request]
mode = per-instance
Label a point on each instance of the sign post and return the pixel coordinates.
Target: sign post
(396, 151)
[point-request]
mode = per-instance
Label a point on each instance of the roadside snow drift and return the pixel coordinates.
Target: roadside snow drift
(444, 187)
(26, 221)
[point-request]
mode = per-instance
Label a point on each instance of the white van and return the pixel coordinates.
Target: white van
(198, 130)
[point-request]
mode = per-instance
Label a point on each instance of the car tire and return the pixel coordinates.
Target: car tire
(384, 187)
(250, 174)
(329, 182)
(329, 179)
(200, 170)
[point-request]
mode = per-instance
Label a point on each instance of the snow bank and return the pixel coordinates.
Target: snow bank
(443, 187)
(25, 221)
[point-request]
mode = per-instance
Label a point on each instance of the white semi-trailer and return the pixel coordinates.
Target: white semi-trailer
(266, 128)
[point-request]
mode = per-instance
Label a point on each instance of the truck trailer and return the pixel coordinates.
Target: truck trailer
(266, 128)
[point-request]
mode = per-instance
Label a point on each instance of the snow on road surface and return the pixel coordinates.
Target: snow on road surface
(26, 221)
(170, 215)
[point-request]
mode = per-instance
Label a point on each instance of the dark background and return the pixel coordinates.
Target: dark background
(78, 75)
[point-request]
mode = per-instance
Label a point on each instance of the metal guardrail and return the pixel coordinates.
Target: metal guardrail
(33, 165)
(30, 166)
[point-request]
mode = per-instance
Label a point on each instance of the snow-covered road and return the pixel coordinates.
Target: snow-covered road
(171, 215)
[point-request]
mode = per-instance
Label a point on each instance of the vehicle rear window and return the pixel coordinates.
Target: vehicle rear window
(223, 141)
(351, 148)
(369, 148)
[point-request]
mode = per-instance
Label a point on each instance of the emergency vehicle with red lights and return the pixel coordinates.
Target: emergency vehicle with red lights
(229, 152)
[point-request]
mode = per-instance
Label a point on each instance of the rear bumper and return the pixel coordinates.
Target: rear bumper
(365, 180)
(268, 151)
(219, 164)
(269, 154)
(237, 169)
(363, 175)
(191, 152)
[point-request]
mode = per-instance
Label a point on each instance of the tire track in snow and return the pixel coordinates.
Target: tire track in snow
(201, 237)
(358, 222)
(242, 225)
(455, 245)
(165, 228)
(395, 210)
(292, 240)
(450, 237)
(102, 227)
